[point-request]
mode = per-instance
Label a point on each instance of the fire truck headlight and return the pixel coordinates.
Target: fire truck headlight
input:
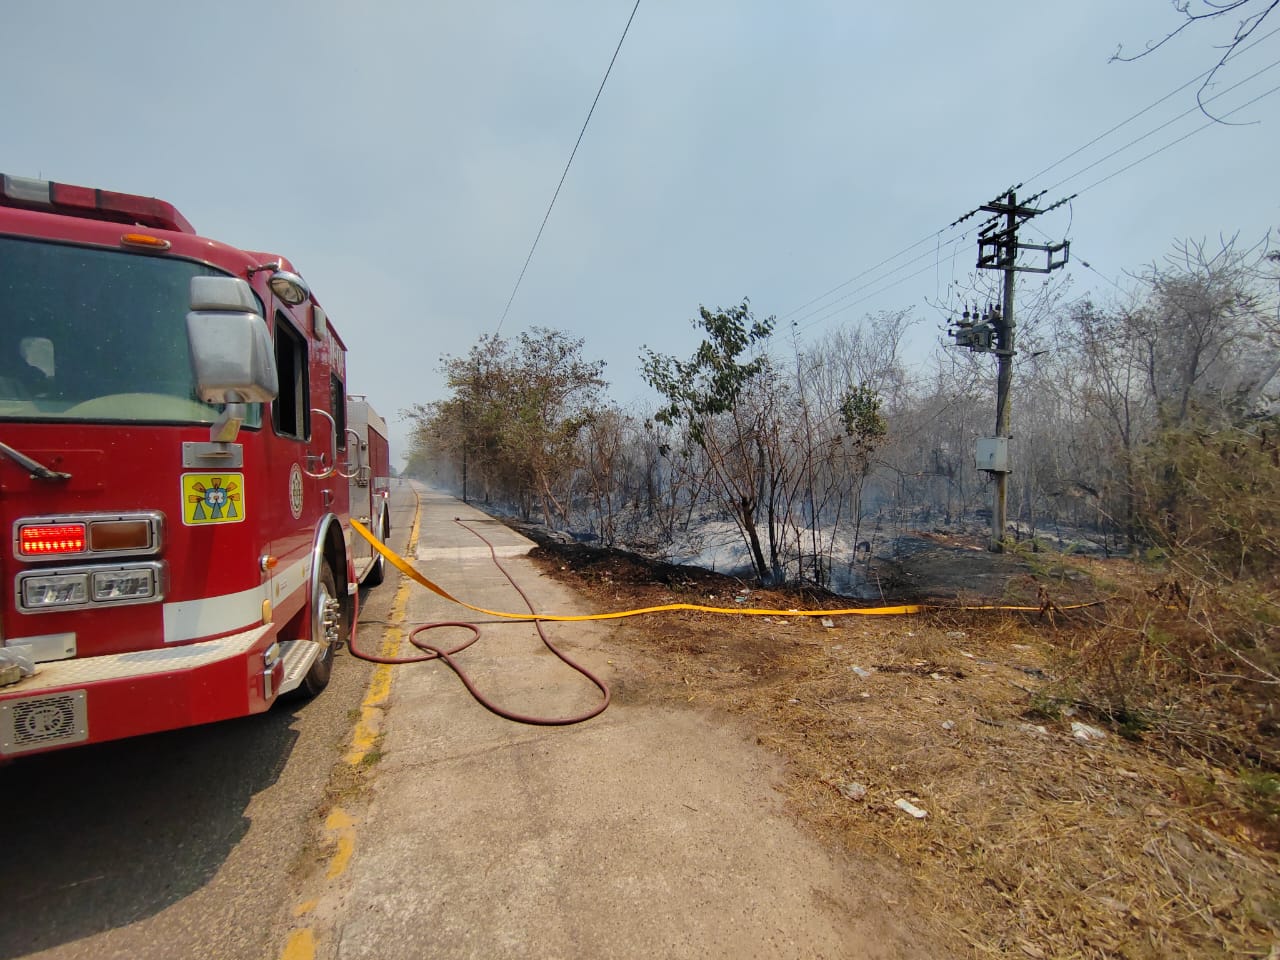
(134, 584)
(88, 586)
(55, 590)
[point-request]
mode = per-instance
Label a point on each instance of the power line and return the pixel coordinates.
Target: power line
(1153, 153)
(1149, 107)
(874, 293)
(1174, 143)
(799, 322)
(1084, 263)
(572, 154)
(1055, 164)
(962, 237)
(877, 266)
(1167, 123)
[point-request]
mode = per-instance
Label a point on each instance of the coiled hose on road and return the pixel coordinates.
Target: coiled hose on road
(432, 652)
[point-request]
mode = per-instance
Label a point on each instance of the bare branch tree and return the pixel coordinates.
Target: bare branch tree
(1254, 12)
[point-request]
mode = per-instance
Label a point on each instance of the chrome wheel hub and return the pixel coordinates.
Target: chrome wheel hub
(330, 618)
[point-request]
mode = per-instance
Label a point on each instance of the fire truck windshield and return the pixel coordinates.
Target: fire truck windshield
(94, 334)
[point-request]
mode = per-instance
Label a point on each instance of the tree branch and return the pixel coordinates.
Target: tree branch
(1243, 31)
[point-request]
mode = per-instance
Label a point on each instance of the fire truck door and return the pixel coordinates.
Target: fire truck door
(293, 437)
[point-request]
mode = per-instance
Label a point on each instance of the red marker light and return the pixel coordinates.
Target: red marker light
(51, 540)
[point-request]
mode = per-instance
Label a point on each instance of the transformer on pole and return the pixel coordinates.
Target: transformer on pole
(993, 331)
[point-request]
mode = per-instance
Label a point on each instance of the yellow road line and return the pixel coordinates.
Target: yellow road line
(368, 727)
(301, 944)
(341, 825)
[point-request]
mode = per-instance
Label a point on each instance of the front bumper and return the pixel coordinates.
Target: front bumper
(92, 699)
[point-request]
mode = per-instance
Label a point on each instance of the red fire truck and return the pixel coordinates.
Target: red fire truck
(179, 462)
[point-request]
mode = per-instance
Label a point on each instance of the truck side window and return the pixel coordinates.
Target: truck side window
(290, 412)
(338, 403)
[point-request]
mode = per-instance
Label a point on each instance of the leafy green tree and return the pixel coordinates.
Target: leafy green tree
(511, 423)
(860, 416)
(725, 399)
(713, 379)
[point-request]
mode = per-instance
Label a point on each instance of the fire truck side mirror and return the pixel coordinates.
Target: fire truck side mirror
(231, 353)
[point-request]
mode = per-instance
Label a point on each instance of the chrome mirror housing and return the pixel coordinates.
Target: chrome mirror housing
(231, 353)
(289, 287)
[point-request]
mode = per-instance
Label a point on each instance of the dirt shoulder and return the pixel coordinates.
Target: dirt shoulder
(1046, 833)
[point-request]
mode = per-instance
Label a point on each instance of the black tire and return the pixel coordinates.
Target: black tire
(378, 572)
(317, 677)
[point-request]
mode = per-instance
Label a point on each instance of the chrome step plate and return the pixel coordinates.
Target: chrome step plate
(298, 656)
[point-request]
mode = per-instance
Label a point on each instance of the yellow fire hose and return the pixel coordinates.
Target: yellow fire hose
(409, 571)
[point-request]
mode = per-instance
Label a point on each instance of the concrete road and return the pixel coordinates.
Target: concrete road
(179, 844)
(646, 832)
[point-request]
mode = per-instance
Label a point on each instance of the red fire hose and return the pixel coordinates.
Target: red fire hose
(432, 652)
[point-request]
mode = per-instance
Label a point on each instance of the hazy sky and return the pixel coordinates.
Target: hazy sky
(403, 154)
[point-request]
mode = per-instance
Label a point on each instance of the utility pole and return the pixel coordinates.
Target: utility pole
(473, 390)
(993, 332)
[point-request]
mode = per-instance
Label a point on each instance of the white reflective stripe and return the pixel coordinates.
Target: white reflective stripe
(191, 619)
(286, 581)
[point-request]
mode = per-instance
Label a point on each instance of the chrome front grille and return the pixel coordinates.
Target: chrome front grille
(48, 720)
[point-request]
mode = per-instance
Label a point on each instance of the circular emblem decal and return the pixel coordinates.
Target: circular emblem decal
(295, 491)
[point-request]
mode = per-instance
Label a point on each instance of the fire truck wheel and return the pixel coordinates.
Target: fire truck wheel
(378, 571)
(327, 621)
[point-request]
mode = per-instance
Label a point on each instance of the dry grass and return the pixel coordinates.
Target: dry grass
(1036, 843)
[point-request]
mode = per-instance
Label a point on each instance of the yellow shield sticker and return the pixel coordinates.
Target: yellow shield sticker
(212, 498)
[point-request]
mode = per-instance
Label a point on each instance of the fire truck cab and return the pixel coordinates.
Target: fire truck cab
(176, 469)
